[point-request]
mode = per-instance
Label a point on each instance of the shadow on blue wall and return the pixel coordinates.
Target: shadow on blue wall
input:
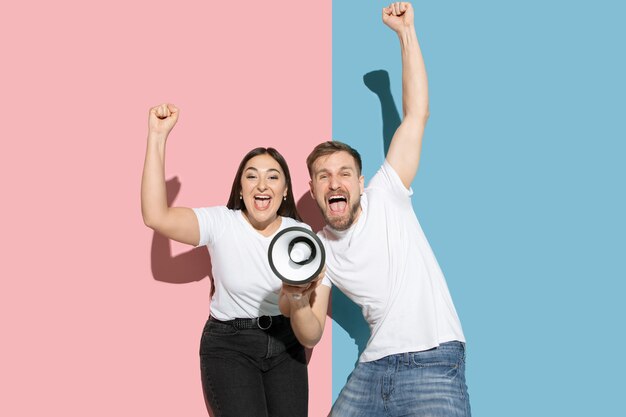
(344, 312)
(378, 83)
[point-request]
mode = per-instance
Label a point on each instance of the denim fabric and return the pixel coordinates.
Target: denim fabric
(430, 383)
(253, 372)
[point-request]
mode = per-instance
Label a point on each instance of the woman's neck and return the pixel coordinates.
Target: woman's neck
(267, 228)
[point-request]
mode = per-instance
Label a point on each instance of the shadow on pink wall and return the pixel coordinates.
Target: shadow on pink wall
(310, 212)
(190, 266)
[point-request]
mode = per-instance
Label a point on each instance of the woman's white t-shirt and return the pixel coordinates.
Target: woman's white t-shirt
(245, 286)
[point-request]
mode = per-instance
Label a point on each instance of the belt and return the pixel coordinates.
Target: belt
(263, 322)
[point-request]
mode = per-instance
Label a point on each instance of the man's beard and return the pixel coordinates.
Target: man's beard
(344, 222)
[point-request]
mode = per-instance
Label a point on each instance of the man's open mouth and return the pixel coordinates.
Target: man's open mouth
(337, 203)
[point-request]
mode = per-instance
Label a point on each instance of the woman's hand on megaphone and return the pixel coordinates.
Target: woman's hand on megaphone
(308, 312)
(297, 292)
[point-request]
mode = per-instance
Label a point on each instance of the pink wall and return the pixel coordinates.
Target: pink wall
(88, 328)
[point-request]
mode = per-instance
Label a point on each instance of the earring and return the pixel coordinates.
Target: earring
(285, 198)
(240, 197)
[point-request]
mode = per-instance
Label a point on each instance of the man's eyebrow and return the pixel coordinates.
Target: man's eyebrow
(343, 168)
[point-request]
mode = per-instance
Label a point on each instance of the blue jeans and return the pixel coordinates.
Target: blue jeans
(429, 383)
(253, 372)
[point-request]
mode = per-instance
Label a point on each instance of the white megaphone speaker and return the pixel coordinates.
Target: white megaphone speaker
(296, 255)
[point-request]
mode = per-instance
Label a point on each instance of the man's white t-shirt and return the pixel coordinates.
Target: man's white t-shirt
(384, 264)
(245, 286)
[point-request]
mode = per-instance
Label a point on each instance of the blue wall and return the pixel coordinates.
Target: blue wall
(520, 189)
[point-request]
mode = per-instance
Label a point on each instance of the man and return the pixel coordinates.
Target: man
(377, 254)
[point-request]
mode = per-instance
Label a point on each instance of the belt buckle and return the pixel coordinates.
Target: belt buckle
(267, 319)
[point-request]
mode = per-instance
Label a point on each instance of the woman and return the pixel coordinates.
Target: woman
(251, 362)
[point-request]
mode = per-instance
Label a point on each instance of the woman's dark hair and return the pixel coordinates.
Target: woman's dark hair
(288, 206)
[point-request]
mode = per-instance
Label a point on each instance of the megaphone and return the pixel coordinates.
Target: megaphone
(296, 255)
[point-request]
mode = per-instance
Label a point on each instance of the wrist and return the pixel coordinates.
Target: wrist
(298, 302)
(408, 38)
(157, 136)
(406, 29)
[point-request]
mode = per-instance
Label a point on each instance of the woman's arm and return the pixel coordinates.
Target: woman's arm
(177, 223)
(307, 309)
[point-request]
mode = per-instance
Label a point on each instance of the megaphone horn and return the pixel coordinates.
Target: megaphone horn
(301, 250)
(296, 255)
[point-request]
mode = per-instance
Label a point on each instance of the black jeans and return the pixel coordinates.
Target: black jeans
(254, 372)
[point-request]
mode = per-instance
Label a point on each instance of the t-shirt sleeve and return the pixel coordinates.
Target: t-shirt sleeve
(211, 222)
(326, 281)
(387, 178)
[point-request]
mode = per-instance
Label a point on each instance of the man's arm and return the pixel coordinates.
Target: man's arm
(406, 144)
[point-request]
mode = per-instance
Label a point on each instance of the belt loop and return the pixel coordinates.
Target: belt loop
(407, 358)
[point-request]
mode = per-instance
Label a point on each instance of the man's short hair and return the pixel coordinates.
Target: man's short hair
(329, 148)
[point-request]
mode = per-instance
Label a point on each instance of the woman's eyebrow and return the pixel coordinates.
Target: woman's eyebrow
(268, 170)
